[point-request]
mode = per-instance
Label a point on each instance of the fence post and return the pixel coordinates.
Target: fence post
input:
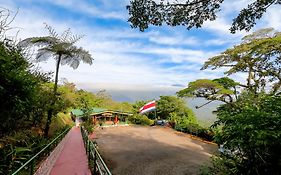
(95, 161)
(89, 150)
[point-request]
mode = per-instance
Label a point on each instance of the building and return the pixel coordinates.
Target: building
(102, 116)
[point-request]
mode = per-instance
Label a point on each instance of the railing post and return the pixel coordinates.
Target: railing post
(95, 160)
(89, 150)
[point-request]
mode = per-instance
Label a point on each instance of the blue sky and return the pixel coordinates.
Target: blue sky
(159, 59)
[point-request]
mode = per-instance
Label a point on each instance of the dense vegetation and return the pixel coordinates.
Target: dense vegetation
(27, 95)
(24, 96)
(249, 120)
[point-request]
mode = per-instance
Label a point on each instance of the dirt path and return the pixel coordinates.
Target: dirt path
(151, 150)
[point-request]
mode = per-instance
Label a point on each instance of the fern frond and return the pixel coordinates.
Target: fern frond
(65, 35)
(74, 38)
(51, 31)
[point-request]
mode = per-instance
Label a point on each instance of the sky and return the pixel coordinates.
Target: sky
(129, 64)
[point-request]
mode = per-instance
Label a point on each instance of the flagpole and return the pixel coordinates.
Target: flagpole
(155, 110)
(155, 113)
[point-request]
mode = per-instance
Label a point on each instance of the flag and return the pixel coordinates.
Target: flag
(150, 106)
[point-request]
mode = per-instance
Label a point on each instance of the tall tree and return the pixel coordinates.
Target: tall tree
(192, 13)
(258, 56)
(62, 49)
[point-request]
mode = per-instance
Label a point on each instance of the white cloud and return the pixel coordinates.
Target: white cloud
(174, 40)
(89, 8)
(126, 58)
(273, 17)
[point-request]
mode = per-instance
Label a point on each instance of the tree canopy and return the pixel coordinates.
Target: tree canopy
(192, 13)
(221, 89)
(258, 56)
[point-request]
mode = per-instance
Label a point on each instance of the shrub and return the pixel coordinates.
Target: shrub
(251, 133)
(140, 120)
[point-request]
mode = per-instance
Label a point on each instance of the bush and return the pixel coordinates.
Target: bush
(252, 135)
(140, 120)
(184, 124)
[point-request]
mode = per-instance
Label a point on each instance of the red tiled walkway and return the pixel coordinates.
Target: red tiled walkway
(73, 159)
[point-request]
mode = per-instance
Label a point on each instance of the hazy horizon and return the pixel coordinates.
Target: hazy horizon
(204, 114)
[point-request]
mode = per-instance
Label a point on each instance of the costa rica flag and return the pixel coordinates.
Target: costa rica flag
(150, 106)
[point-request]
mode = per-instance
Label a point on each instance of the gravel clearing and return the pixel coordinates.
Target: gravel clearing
(134, 150)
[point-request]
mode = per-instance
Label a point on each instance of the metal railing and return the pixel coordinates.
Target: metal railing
(96, 163)
(29, 166)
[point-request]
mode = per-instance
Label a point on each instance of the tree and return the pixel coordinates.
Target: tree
(258, 56)
(18, 87)
(222, 89)
(63, 50)
(249, 126)
(192, 13)
(170, 105)
(250, 131)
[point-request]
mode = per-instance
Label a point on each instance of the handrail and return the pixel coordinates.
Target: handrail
(36, 155)
(96, 162)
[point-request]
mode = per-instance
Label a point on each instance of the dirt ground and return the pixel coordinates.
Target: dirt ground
(134, 150)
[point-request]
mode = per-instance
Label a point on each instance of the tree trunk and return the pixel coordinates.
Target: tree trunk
(50, 111)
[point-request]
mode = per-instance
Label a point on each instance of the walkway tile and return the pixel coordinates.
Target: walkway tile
(73, 159)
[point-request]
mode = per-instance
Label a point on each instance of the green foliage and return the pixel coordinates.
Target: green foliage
(20, 90)
(258, 56)
(251, 132)
(60, 122)
(191, 13)
(140, 119)
(88, 123)
(145, 12)
(218, 89)
(249, 126)
(167, 105)
(18, 148)
(189, 126)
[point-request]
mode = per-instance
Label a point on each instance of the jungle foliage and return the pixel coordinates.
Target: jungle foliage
(27, 95)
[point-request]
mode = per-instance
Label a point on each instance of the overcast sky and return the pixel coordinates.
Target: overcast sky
(164, 58)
